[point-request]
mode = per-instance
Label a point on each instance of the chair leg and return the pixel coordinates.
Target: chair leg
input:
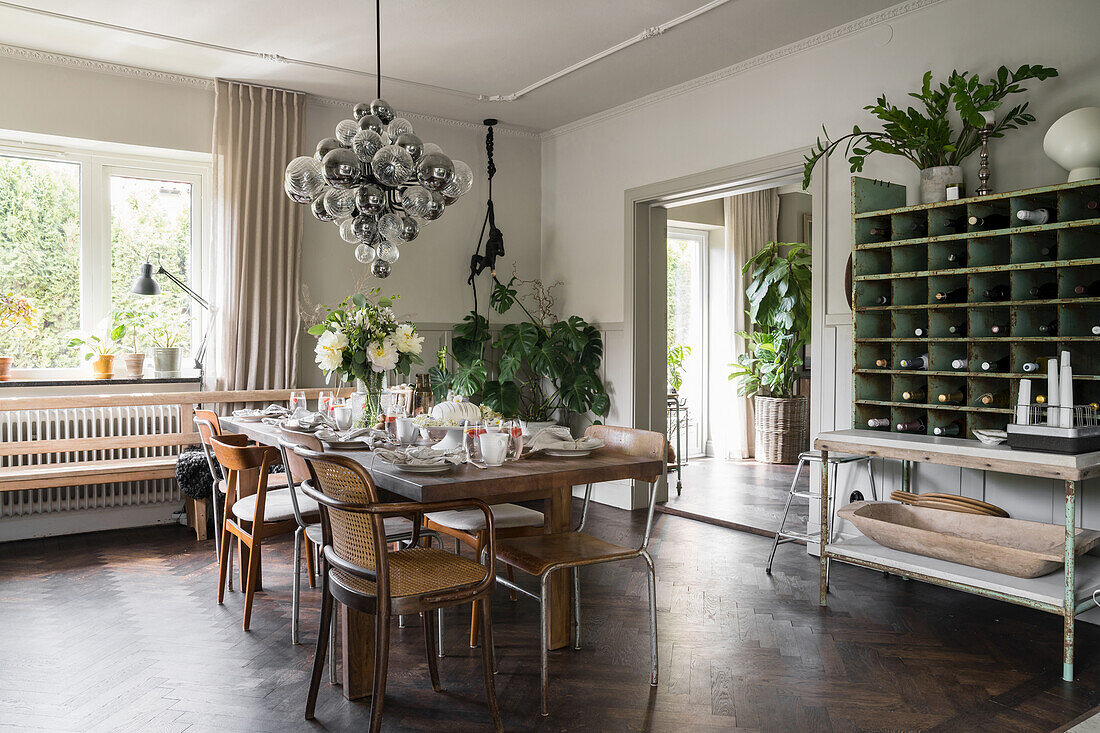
(310, 571)
(783, 519)
(335, 623)
(576, 573)
(324, 633)
(296, 586)
(544, 641)
(251, 579)
(476, 604)
(215, 500)
(223, 563)
(652, 615)
(430, 647)
(439, 632)
(511, 575)
(245, 554)
(381, 664)
(488, 665)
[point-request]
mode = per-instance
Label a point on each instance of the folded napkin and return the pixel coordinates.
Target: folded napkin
(327, 433)
(558, 437)
(421, 456)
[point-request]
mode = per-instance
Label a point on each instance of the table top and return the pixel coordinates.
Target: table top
(961, 452)
(531, 477)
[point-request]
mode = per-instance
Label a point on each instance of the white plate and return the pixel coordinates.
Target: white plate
(299, 428)
(249, 418)
(336, 444)
(421, 468)
(566, 453)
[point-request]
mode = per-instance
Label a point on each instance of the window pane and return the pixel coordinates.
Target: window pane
(151, 222)
(40, 257)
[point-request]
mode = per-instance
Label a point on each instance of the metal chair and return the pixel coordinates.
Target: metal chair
(545, 554)
(783, 536)
(362, 573)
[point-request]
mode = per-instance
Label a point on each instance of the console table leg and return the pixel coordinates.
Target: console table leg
(906, 475)
(824, 580)
(1069, 608)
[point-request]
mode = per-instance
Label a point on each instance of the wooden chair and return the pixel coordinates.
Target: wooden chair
(362, 573)
(543, 555)
(251, 516)
(468, 527)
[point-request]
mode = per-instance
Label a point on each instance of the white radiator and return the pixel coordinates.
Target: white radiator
(88, 423)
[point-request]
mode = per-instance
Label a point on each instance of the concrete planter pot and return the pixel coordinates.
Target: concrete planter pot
(934, 182)
(103, 366)
(135, 365)
(166, 361)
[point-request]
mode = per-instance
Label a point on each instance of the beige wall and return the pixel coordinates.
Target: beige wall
(134, 109)
(792, 208)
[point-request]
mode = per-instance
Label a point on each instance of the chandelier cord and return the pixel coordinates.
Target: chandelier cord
(378, 46)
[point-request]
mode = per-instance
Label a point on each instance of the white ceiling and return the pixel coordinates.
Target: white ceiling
(447, 52)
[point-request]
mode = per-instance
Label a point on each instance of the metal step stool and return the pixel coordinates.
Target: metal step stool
(782, 536)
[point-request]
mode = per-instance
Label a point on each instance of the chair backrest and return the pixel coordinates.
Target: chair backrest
(641, 444)
(209, 427)
(357, 539)
(248, 459)
(297, 470)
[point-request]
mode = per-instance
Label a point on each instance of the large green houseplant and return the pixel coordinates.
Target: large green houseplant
(543, 366)
(927, 136)
(778, 298)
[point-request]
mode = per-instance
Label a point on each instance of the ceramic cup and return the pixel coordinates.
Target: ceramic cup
(406, 430)
(494, 448)
(342, 415)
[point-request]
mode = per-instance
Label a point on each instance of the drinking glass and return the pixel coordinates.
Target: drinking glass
(470, 433)
(394, 411)
(341, 414)
(297, 404)
(515, 439)
(325, 402)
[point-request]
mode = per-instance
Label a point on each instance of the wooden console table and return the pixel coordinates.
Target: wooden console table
(1067, 594)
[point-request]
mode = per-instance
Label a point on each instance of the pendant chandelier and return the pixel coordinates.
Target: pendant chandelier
(376, 180)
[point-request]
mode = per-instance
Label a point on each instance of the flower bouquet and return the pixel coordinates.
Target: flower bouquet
(361, 339)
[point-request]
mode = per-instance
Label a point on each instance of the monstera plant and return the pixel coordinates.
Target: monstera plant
(542, 366)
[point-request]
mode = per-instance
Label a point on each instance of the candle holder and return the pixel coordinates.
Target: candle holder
(983, 168)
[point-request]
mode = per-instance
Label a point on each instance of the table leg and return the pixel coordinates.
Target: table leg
(906, 475)
(824, 577)
(356, 652)
(560, 519)
(1069, 609)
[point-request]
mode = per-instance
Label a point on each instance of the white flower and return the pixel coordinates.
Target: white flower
(407, 340)
(383, 355)
(330, 350)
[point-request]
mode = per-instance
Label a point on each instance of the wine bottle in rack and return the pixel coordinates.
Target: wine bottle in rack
(915, 228)
(1093, 205)
(954, 224)
(1050, 328)
(912, 426)
(957, 259)
(881, 300)
(882, 363)
(1035, 216)
(989, 221)
(1096, 330)
(1091, 290)
(914, 395)
(1049, 252)
(998, 292)
(880, 233)
(959, 363)
(957, 329)
(995, 365)
(1044, 290)
(1029, 367)
(878, 422)
(920, 332)
(996, 398)
(1040, 399)
(999, 329)
(951, 398)
(952, 428)
(919, 362)
(956, 295)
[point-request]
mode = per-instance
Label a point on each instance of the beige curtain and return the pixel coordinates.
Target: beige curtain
(257, 236)
(751, 221)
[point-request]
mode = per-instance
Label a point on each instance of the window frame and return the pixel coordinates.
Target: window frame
(98, 163)
(702, 238)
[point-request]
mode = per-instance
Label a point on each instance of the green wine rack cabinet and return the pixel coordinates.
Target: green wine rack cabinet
(984, 301)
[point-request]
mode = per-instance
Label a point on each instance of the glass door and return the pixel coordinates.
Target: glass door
(687, 331)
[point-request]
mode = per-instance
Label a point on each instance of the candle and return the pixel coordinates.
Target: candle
(1066, 396)
(1053, 414)
(989, 117)
(1023, 402)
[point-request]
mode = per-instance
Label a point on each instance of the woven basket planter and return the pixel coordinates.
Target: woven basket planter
(780, 428)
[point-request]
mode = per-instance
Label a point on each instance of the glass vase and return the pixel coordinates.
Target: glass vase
(366, 402)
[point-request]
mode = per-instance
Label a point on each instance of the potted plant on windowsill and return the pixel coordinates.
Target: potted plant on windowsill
(16, 314)
(100, 348)
(166, 334)
(926, 137)
(779, 308)
(137, 323)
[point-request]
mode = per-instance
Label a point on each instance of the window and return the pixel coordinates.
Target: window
(75, 226)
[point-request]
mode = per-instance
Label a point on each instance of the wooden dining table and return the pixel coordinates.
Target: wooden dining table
(536, 478)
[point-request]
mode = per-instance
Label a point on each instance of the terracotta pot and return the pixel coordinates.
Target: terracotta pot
(135, 365)
(5, 368)
(103, 366)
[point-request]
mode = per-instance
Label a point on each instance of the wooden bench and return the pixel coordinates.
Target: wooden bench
(108, 470)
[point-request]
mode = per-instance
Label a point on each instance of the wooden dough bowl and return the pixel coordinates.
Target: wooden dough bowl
(1011, 546)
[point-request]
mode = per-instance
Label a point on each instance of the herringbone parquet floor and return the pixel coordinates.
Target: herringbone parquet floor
(120, 632)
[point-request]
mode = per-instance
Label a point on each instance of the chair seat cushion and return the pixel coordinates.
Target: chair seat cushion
(533, 555)
(472, 520)
(418, 571)
(277, 506)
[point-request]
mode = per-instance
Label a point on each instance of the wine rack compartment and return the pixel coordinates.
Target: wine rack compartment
(956, 301)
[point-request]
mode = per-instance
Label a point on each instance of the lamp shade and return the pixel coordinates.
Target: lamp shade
(145, 284)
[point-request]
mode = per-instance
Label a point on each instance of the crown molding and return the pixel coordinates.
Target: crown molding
(508, 130)
(18, 53)
(860, 24)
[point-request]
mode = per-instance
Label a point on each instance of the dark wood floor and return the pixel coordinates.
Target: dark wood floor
(120, 632)
(745, 494)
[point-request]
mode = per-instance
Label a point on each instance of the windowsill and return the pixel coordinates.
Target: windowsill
(41, 381)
